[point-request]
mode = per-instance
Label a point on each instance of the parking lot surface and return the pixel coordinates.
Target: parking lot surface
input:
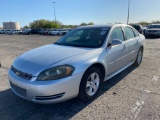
(134, 94)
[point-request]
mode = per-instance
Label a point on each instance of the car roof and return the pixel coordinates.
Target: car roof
(155, 24)
(101, 26)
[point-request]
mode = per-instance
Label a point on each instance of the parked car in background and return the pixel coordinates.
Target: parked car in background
(25, 31)
(6, 31)
(64, 31)
(45, 32)
(49, 31)
(34, 31)
(41, 31)
(14, 32)
(58, 32)
(138, 27)
(77, 64)
(2, 31)
(53, 32)
(153, 31)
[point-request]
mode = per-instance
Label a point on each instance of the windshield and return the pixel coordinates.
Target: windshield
(154, 26)
(85, 37)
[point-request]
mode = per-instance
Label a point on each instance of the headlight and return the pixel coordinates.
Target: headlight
(56, 73)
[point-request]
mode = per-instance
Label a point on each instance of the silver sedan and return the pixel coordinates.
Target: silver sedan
(77, 64)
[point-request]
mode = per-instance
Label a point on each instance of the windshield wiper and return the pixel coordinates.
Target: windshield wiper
(57, 43)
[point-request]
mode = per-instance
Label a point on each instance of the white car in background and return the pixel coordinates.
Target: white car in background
(2, 31)
(58, 32)
(14, 32)
(6, 31)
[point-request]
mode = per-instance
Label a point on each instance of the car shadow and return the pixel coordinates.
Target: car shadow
(13, 107)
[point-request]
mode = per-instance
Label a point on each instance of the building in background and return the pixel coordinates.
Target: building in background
(11, 25)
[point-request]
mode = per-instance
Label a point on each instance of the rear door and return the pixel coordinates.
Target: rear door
(116, 54)
(132, 38)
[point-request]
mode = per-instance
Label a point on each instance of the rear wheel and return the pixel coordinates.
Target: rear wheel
(90, 84)
(139, 57)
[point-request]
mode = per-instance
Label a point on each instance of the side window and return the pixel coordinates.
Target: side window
(117, 33)
(129, 33)
(136, 33)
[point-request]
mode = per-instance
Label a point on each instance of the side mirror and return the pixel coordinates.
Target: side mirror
(116, 42)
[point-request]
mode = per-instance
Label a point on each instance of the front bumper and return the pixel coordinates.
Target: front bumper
(45, 92)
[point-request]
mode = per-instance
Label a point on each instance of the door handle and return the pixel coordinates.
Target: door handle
(137, 41)
(124, 46)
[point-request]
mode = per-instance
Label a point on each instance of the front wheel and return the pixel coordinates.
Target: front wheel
(139, 57)
(90, 84)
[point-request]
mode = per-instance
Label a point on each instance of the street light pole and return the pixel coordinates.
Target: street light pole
(54, 3)
(128, 11)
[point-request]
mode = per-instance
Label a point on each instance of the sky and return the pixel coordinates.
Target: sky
(74, 12)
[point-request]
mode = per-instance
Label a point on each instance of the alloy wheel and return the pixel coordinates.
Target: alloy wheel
(93, 83)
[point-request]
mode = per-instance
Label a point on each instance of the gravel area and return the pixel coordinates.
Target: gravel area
(134, 94)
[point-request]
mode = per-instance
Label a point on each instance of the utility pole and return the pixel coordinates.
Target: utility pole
(54, 3)
(128, 11)
(10, 25)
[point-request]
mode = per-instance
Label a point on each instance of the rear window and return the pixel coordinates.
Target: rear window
(136, 33)
(129, 33)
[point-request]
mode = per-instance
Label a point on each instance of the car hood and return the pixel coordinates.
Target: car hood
(36, 60)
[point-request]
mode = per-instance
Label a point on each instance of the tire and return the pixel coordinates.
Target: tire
(88, 92)
(139, 57)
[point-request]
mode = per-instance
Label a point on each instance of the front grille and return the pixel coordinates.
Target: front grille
(21, 74)
(18, 90)
(152, 30)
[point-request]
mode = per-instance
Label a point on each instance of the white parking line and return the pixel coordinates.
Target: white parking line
(138, 106)
(155, 79)
(139, 103)
(137, 109)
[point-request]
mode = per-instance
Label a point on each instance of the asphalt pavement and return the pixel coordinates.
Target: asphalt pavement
(134, 94)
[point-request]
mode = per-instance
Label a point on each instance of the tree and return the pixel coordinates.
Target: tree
(90, 23)
(156, 21)
(84, 24)
(143, 23)
(45, 24)
(26, 27)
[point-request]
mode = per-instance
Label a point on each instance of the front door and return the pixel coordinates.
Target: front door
(116, 54)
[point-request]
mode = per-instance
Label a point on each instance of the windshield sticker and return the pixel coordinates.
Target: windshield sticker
(103, 33)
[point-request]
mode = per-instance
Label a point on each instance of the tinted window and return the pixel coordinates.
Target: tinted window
(117, 34)
(85, 37)
(129, 33)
